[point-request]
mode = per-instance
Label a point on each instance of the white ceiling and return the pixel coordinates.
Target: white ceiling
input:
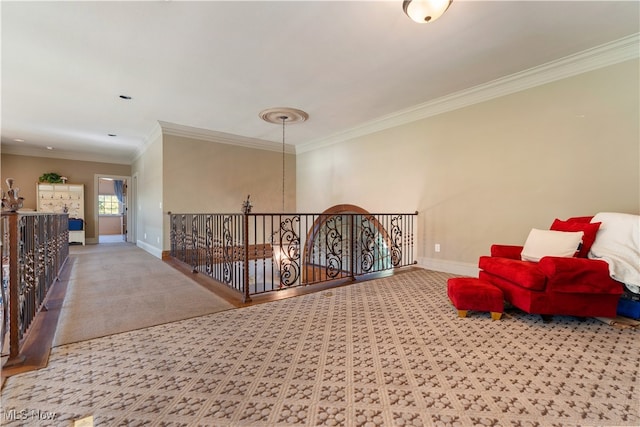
(214, 65)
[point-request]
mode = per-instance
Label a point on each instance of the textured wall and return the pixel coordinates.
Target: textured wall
(146, 184)
(204, 176)
(490, 172)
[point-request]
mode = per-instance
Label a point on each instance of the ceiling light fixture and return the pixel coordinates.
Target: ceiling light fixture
(283, 115)
(49, 148)
(422, 11)
(18, 140)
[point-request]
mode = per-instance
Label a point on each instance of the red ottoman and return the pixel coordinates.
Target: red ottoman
(468, 293)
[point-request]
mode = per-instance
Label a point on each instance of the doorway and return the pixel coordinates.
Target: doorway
(111, 208)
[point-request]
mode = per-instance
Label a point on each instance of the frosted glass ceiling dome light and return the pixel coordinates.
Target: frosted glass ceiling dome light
(422, 11)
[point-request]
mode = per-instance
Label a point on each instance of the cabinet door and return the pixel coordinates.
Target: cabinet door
(46, 201)
(60, 198)
(76, 201)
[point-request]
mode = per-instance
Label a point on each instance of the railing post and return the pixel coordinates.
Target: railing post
(14, 301)
(172, 235)
(245, 261)
(352, 246)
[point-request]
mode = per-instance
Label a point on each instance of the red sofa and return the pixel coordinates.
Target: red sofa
(575, 286)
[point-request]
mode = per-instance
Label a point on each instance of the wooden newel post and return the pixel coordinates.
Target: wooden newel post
(246, 210)
(14, 300)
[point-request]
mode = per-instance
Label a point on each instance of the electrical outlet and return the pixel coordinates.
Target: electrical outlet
(437, 247)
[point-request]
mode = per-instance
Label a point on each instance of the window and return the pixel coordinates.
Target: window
(108, 204)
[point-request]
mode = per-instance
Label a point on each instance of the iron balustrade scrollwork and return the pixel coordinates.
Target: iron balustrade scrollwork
(396, 240)
(35, 247)
(333, 239)
(209, 244)
(227, 249)
(183, 234)
(286, 246)
(256, 253)
(367, 246)
(194, 237)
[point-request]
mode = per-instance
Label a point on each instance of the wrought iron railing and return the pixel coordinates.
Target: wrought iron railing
(34, 249)
(259, 253)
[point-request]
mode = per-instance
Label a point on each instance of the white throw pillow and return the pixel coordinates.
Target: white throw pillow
(618, 244)
(541, 243)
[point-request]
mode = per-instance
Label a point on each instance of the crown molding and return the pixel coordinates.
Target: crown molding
(153, 135)
(174, 129)
(612, 53)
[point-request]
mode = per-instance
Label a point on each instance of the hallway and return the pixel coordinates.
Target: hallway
(118, 287)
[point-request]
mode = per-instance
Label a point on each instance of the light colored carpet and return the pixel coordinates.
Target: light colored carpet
(118, 287)
(389, 352)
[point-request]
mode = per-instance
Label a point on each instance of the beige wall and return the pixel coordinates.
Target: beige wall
(186, 175)
(490, 172)
(204, 176)
(26, 170)
(147, 188)
(208, 177)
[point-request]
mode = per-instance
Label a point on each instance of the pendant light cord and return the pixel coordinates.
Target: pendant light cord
(284, 119)
(286, 116)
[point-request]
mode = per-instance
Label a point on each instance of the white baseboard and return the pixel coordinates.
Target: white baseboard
(151, 249)
(447, 266)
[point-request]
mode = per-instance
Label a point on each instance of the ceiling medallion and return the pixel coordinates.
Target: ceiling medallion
(280, 114)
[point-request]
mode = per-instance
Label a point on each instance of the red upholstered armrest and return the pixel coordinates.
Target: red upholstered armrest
(506, 251)
(578, 275)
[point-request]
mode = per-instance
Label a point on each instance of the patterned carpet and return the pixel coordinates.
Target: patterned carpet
(389, 352)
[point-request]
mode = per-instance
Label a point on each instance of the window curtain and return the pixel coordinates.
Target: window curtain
(118, 188)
